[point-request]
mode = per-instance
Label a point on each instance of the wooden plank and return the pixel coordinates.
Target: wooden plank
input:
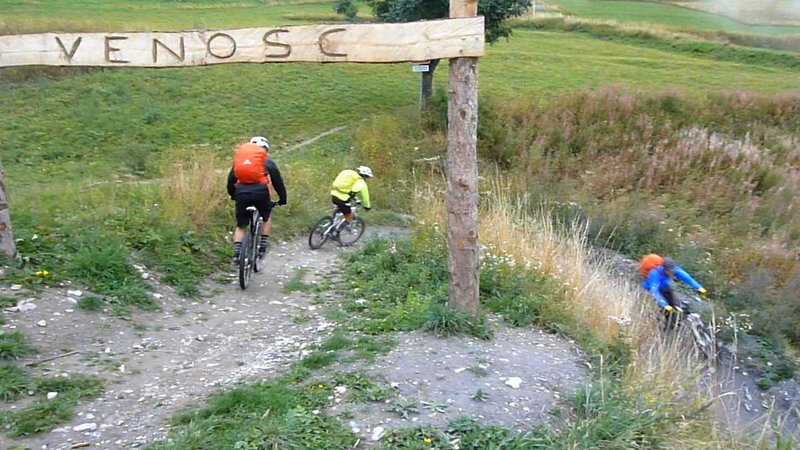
(364, 43)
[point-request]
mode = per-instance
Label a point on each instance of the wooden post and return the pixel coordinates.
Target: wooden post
(7, 244)
(462, 175)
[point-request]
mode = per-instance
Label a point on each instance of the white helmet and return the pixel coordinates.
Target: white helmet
(364, 171)
(260, 141)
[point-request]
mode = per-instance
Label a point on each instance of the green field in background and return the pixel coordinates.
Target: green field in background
(667, 15)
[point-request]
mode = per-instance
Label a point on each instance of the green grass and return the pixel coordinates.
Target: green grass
(90, 303)
(663, 14)
(7, 301)
(121, 15)
(43, 415)
(14, 345)
(548, 64)
(272, 414)
(171, 110)
(690, 46)
(14, 383)
(296, 283)
(403, 285)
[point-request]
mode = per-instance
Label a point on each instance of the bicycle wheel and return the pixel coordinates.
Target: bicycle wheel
(257, 262)
(245, 262)
(319, 234)
(702, 338)
(348, 235)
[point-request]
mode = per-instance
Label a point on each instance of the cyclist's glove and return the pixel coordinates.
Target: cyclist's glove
(282, 201)
(669, 309)
(703, 292)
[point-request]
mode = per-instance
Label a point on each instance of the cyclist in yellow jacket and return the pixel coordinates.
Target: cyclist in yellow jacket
(348, 184)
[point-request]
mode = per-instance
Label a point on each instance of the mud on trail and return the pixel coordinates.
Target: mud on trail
(156, 364)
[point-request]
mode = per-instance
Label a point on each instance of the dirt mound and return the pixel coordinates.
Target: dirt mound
(514, 380)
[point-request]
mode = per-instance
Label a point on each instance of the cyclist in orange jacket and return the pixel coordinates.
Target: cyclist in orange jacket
(248, 181)
(657, 272)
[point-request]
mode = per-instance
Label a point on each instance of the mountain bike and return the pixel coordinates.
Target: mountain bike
(337, 228)
(249, 261)
(702, 334)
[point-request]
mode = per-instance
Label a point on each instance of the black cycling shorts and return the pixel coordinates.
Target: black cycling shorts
(343, 206)
(258, 199)
(669, 296)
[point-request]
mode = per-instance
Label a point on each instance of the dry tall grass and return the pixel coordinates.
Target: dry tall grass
(663, 372)
(192, 190)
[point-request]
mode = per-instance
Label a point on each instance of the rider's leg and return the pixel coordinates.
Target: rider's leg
(669, 296)
(265, 209)
(344, 207)
(242, 219)
(267, 227)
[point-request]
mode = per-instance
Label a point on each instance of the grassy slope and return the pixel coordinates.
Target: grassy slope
(106, 124)
(157, 109)
(662, 14)
(121, 15)
(106, 116)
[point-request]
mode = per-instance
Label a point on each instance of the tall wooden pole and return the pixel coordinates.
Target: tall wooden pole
(7, 244)
(462, 175)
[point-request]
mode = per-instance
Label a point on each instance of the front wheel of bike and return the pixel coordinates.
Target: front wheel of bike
(246, 262)
(350, 233)
(257, 261)
(319, 233)
(702, 338)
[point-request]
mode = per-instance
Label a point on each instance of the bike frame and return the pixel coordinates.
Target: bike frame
(248, 261)
(337, 219)
(702, 334)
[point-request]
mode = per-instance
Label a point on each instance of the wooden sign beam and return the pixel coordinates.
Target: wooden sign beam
(362, 43)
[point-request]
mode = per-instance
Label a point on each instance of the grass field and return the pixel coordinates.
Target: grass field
(90, 155)
(154, 110)
(84, 128)
(779, 12)
(662, 14)
(121, 15)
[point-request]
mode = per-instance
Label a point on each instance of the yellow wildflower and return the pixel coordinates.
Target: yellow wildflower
(42, 273)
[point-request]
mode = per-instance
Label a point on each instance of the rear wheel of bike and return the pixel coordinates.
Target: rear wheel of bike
(318, 234)
(348, 235)
(246, 261)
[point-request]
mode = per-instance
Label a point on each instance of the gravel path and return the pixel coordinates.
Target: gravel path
(160, 363)
(156, 364)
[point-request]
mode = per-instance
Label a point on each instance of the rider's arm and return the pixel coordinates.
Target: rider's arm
(652, 283)
(361, 188)
(276, 179)
(686, 278)
(231, 184)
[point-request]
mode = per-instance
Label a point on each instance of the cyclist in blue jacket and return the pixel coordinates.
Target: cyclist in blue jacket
(658, 273)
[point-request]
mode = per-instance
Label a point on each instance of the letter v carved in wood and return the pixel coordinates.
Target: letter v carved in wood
(69, 54)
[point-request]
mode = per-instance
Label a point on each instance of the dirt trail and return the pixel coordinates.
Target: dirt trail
(742, 406)
(156, 364)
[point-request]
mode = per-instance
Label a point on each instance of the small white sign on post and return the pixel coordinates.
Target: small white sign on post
(419, 68)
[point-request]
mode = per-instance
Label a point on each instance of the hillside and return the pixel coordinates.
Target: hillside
(623, 127)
